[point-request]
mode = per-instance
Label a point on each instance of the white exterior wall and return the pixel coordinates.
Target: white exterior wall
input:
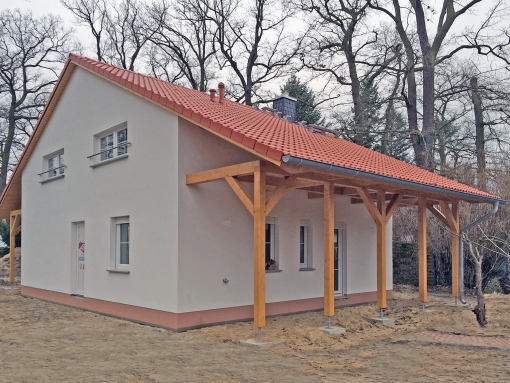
(143, 187)
(216, 235)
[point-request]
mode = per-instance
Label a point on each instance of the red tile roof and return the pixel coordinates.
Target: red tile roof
(253, 129)
(267, 134)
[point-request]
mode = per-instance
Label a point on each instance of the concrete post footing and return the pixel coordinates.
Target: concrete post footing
(332, 330)
(256, 343)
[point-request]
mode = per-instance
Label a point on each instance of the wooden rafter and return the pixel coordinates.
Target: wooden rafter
(371, 207)
(392, 206)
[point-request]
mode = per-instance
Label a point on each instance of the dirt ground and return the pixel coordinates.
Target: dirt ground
(46, 342)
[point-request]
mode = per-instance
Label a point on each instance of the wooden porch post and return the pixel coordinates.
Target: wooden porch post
(422, 248)
(381, 250)
(13, 225)
(329, 227)
(455, 250)
(259, 225)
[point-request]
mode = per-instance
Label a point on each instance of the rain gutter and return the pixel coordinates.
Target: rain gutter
(470, 226)
(387, 179)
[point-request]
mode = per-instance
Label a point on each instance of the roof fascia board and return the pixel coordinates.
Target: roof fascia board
(390, 180)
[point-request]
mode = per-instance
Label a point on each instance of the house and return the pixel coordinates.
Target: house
(149, 201)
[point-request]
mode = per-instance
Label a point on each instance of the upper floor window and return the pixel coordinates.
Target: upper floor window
(110, 145)
(53, 166)
(56, 165)
(114, 144)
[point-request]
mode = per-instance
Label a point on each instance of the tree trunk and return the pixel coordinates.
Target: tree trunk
(479, 310)
(7, 148)
(359, 126)
(424, 158)
(479, 134)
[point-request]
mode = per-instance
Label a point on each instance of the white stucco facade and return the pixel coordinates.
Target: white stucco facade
(184, 240)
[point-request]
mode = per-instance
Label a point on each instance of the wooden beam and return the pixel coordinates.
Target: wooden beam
(241, 192)
(381, 264)
(422, 249)
(392, 206)
(372, 209)
(452, 224)
(456, 251)
(329, 229)
(381, 249)
(278, 193)
(314, 195)
(439, 215)
(259, 247)
(13, 223)
(18, 230)
(219, 173)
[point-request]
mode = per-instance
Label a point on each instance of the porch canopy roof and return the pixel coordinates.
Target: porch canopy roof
(275, 140)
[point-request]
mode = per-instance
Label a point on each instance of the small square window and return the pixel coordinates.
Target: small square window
(53, 165)
(110, 144)
(113, 144)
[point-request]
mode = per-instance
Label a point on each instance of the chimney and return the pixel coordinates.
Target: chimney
(221, 87)
(212, 93)
(286, 105)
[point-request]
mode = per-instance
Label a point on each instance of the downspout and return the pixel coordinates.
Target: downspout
(462, 231)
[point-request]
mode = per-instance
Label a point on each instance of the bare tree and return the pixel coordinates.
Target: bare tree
(121, 30)
(184, 38)
(253, 43)
(337, 46)
(32, 51)
(91, 13)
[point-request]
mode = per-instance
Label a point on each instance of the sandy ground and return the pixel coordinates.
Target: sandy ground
(45, 342)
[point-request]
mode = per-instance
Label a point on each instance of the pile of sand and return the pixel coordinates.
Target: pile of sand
(5, 264)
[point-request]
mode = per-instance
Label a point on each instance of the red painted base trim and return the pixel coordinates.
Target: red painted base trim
(184, 321)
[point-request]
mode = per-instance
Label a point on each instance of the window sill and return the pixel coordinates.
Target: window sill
(118, 158)
(273, 271)
(341, 297)
(306, 269)
(118, 271)
(52, 178)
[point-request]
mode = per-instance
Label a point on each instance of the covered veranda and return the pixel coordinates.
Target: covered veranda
(380, 194)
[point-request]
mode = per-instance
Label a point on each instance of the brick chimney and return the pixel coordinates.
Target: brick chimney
(286, 105)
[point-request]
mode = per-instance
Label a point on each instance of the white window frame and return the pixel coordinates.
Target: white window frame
(342, 232)
(53, 172)
(273, 227)
(118, 152)
(308, 246)
(115, 244)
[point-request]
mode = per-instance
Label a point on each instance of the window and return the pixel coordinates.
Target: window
(271, 245)
(110, 145)
(113, 144)
(120, 244)
(56, 165)
(53, 166)
(305, 245)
